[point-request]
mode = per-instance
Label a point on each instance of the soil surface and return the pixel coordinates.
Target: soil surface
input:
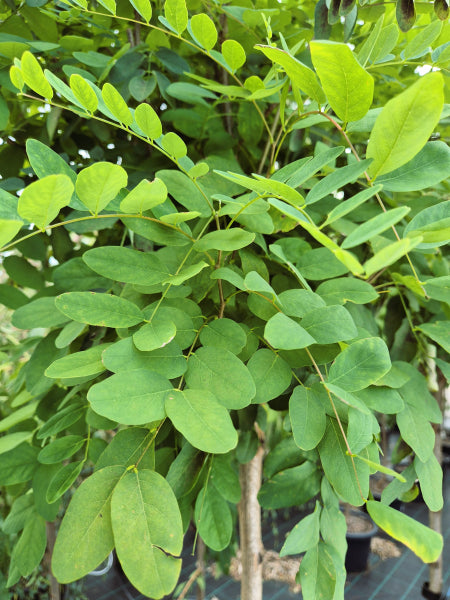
(275, 568)
(384, 548)
(358, 524)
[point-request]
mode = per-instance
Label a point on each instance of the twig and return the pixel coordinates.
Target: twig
(225, 79)
(369, 180)
(198, 571)
(318, 371)
(201, 551)
(270, 141)
(55, 593)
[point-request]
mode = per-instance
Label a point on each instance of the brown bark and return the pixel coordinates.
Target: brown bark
(250, 475)
(55, 591)
(435, 518)
(201, 567)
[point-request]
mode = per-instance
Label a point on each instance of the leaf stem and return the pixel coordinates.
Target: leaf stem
(101, 216)
(152, 439)
(370, 182)
(338, 420)
(189, 43)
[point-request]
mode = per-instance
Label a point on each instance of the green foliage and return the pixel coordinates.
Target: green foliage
(212, 224)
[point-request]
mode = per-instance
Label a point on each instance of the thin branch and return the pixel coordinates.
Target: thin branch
(195, 575)
(270, 142)
(369, 180)
(88, 115)
(101, 216)
(198, 48)
(338, 420)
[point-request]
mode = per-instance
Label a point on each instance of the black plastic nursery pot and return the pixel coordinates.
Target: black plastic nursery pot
(429, 595)
(396, 503)
(358, 546)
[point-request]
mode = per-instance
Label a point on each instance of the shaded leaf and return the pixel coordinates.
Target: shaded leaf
(85, 537)
(304, 535)
(63, 480)
(307, 416)
(360, 364)
(290, 487)
(284, 333)
(99, 309)
(204, 422)
(147, 527)
(86, 363)
(31, 545)
(213, 518)
(271, 374)
(40, 311)
(349, 477)
(133, 397)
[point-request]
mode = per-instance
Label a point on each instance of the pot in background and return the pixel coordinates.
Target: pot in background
(358, 543)
(426, 593)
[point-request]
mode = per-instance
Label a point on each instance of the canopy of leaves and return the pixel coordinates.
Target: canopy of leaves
(215, 226)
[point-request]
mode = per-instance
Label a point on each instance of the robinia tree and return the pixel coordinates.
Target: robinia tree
(222, 230)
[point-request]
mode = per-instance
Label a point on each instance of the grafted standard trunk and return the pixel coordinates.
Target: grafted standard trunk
(250, 475)
(436, 385)
(435, 518)
(55, 593)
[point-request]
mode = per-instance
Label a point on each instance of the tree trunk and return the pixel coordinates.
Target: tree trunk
(55, 593)
(437, 385)
(250, 475)
(201, 565)
(435, 518)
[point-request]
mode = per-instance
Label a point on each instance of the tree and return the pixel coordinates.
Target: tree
(212, 274)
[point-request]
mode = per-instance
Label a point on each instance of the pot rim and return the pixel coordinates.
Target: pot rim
(362, 534)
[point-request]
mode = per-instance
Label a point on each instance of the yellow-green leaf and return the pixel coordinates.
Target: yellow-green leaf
(116, 104)
(422, 540)
(348, 87)
(300, 75)
(389, 254)
(144, 8)
(405, 124)
(204, 31)
(146, 195)
(147, 120)
(100, 183)
(110, 5)
(148, 530)
(83, 92)
(41, 201)
(234, 54)
(15, 74)
(176, 14)
(34, 76)
(174, 145)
